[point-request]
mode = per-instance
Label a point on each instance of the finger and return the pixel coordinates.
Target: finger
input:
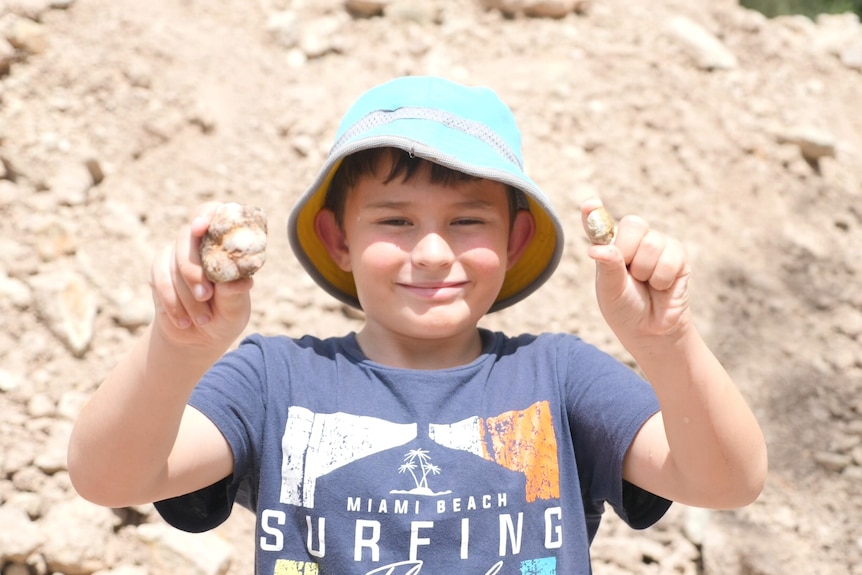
(202, 217)
(672, 264)
(189, 251)
(192, 288)
(647, 255)
(611, 272)
(190, 257)
(181, 291)
(630, 231)
(165, 298)
(231, 300)
(588, 206)
(189, 266)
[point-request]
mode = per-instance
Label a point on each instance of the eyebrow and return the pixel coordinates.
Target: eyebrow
(385, 205)
(396, 204)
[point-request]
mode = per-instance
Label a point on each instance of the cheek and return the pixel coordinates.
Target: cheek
(484, 259)
(378, 255)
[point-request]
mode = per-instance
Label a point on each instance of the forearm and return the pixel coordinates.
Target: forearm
(121, 442)
(716, 447)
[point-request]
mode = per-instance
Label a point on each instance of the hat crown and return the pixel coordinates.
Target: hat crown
(475, 110)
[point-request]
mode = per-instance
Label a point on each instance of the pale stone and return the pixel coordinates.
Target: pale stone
(79, 532)
(19, 536)
(707, 51)
(365, 8)
(9, 380)
(68, 305)
(52, 456)
(234, 246)
(812, 143)
(321, 36)
(284, 28)
(71, 183)
(28, 36)
(206, 553)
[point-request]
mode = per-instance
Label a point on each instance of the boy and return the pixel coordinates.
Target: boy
(422, 443)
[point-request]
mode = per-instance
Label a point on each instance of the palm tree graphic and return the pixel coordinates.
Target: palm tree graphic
(419, 458)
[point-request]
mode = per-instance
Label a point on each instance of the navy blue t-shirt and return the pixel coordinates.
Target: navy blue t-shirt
(502, 466)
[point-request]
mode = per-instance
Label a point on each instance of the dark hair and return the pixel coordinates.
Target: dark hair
(404, 166)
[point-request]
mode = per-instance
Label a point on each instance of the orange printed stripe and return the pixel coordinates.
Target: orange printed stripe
(525, 441)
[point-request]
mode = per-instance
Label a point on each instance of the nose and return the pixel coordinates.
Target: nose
(432, 250)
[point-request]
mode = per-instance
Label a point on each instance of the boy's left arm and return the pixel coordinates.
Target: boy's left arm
(705, 447)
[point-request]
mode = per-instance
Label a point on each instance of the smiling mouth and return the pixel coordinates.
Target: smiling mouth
(435, 290)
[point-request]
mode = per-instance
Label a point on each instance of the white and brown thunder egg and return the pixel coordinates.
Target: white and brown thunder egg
(234, 246)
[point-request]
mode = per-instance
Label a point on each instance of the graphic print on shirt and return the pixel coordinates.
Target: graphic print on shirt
(315, 444)
(519, 443)
(517, 440)
(418, 464)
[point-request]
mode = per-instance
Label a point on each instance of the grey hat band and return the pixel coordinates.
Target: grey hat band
(472, 128)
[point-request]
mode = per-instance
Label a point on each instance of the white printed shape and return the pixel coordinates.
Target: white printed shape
(465, 435)
(315, 444)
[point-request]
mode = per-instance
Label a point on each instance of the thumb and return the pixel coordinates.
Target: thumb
(232, 300)
(611, 272)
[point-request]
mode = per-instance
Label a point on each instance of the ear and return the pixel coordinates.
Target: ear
(332, 236)
(523, 229)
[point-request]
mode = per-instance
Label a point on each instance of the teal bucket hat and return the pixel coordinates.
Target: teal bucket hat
(468, 129)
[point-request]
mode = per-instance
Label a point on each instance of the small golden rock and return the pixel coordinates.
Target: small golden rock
(600, 226)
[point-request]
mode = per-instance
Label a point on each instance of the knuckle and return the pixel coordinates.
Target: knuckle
(654, 242)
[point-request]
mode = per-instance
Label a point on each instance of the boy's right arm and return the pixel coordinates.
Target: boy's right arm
(136, 441)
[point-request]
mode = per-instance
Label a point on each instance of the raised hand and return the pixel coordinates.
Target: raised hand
(641, 280)
(190, 309)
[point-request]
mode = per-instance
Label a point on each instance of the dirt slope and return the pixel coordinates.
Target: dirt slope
(742, 136)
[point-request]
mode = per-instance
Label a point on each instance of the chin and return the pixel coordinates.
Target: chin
(432, 325)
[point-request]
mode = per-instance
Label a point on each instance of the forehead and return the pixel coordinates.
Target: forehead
(375, 190)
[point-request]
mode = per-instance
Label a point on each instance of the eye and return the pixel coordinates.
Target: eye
(468, 221)
(396, 222)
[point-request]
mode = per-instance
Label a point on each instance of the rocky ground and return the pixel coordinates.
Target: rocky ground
(741, 135)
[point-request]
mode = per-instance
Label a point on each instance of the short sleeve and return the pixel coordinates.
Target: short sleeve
(640, 508)
(231, 395)
(608, 403)
(201, 510)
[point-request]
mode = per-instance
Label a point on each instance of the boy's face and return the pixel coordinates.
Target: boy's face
(428, 260)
